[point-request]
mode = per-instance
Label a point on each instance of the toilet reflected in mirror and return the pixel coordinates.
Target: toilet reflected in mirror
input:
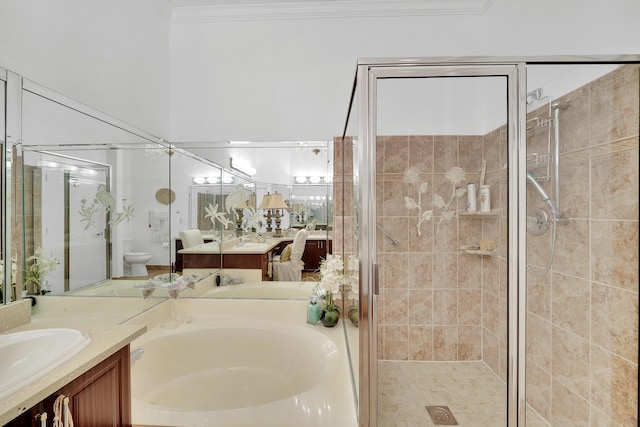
(135, 261)
(135, 264)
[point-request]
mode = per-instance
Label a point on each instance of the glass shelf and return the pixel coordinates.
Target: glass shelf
(492, 213)
(479, 252)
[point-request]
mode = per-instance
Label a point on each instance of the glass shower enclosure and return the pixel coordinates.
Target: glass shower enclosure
(496, 223)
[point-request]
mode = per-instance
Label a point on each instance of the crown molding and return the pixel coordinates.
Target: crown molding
(328, 9)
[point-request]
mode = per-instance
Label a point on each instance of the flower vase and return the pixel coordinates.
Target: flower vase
(330, 318)
(330, 311)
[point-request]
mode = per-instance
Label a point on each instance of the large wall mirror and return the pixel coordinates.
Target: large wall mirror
(101, 205)
(265, 193)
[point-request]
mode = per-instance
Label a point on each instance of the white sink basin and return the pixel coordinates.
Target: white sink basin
(29, 355)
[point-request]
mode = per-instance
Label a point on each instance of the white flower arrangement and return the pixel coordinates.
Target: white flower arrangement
(456, 177)
(331, 273)
(14, 271)
(43, 263)
(334, 277)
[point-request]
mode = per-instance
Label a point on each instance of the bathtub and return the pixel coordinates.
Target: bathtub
(232, 370)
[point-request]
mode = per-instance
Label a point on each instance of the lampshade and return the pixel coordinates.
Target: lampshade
(276, 202)
(265, 201)
(241, 205)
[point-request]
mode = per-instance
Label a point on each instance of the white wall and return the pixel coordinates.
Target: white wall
(111, 55)
(291, 79)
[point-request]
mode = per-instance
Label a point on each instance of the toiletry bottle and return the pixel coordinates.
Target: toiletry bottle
(471, 198)
(485, 198)
(313, 311)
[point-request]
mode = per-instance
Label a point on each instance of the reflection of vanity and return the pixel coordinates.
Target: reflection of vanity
(315, 250)
(247, 257)
(253, 256)
(178, 266)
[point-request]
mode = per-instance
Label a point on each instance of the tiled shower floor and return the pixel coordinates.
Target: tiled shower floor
(473, 393)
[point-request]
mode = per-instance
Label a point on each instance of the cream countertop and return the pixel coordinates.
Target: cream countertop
(248, 248)
(106, 333)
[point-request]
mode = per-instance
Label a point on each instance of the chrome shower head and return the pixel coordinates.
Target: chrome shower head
(543, 194)
(534, 95)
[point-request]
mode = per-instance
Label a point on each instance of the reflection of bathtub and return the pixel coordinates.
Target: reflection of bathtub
(235, 370)
(263, 290)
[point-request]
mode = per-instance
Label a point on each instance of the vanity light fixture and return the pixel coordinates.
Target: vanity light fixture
(313, 179)
(201, 180)
(241, 167)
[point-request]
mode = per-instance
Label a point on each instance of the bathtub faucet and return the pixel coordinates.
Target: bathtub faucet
(136, 354)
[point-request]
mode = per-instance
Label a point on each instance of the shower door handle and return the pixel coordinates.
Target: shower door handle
(376, 280)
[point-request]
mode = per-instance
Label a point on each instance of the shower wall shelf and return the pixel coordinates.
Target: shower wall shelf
(492, 213)
(535, 123)
(536, 160)
(478, 252)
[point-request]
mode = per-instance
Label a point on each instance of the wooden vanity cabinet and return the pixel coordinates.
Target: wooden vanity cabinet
(101, 397)
(314, 252)
(179, 264)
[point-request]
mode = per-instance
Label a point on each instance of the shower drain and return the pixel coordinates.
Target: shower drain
(441, 415)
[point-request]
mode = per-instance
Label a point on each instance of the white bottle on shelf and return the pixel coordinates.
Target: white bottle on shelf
(471, 198)
(485, 198)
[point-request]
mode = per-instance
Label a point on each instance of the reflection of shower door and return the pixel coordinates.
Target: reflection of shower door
(81, 250)
(436, 333)
(86, 242)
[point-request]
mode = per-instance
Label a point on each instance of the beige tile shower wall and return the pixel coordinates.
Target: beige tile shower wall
(343, 197)
(436, 303)
(582, 351)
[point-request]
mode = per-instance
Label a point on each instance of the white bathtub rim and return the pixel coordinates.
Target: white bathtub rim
(307, 333)
(238, 322)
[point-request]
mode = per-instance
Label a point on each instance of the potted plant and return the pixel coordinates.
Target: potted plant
(330, 313)
(331, 281)
(43, 263)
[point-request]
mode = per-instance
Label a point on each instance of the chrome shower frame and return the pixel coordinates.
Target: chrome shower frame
(515, 69)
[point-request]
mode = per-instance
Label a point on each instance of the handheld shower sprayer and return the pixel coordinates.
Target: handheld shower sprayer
(543, 194)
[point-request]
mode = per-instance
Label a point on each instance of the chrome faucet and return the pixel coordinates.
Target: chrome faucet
(136, 354)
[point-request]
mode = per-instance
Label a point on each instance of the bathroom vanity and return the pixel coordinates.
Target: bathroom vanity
(99, 397)
(252, 256)
(96, 379)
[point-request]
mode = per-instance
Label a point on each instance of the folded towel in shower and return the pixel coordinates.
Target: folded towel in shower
(488, 245)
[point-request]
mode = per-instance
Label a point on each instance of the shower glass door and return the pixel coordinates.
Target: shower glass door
(435, 145)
